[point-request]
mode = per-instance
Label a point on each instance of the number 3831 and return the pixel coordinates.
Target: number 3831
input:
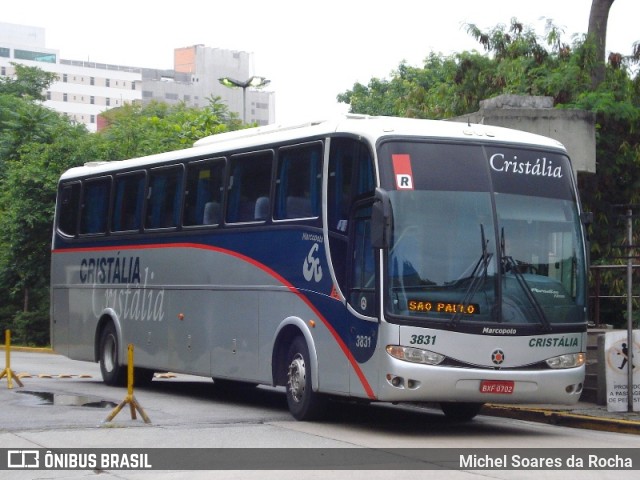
(422, 340)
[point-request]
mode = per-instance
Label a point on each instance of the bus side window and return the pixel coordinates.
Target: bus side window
(362, 294)
(203, 195)
(351, 174)
(249, 187)
(299, 182)
(128, 199)
(95, 206)
(69, 200)
(163, 198)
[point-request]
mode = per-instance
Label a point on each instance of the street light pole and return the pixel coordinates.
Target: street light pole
(255, 82)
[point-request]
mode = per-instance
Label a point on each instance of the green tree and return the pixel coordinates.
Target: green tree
(137, 130)
(28, 82)
(27, 200)
(517, 61)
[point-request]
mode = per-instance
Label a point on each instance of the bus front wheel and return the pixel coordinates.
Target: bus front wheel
(112, 372)
(303, 402)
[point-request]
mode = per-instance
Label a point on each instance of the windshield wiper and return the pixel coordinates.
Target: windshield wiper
(478, 276)
(508, 261)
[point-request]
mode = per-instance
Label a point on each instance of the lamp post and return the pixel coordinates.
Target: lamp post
(255, 82)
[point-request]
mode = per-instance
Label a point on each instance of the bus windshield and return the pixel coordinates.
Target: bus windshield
(482, 234)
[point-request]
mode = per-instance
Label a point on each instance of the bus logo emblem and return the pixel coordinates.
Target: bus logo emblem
(311, 268)
(497, 357)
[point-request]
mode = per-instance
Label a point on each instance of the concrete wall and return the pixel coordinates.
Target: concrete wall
(575, 129)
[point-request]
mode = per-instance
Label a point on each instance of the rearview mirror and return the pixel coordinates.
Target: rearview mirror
(381, 220)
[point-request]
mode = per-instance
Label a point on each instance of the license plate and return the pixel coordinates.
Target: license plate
(504, 387)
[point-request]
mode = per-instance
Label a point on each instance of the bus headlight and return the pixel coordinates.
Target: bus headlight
(415, 355)
(569, 360)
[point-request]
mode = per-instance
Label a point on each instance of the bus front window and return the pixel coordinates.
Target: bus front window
(541, 255)
(442, 261)
(476, 244)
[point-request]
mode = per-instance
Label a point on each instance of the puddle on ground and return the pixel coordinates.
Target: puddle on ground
(66, 400)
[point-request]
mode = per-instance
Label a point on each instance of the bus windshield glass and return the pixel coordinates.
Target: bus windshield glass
(482, 234)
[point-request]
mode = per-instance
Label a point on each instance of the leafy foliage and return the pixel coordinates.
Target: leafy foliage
(138, 130)
(28, 82)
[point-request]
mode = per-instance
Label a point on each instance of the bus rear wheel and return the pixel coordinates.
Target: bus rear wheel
(112, 372)
(303, 402)
(460, 412)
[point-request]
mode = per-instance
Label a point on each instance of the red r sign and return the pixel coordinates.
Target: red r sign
(402, 171)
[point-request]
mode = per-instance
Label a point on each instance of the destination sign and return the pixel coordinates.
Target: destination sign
(428, 306)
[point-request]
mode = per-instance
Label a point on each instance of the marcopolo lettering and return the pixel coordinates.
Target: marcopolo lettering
(109, 270)
(541, 167)
(499, 331)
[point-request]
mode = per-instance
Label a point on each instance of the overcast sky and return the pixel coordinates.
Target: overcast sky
(310, 52)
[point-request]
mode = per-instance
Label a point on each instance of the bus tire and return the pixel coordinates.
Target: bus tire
(303, 402)
(460, 411)
(113, 373)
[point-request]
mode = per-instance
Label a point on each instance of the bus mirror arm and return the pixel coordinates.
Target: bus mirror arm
(381, 220)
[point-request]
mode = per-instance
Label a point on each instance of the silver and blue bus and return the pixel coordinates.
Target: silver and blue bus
(369, 258)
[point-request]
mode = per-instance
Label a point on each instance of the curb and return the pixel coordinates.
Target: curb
(565, 419)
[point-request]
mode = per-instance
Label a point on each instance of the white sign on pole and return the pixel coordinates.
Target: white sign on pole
(616, 350)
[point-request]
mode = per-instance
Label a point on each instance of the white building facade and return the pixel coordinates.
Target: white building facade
(195, 78)
(83, 90)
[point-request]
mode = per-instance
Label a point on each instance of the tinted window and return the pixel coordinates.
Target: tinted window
(163, 197)
(299, 182)
(249, 187)
(69, 202)
(530, 172)
(95, 206)
(127, 202)
(409, 166)
(203, 196)
(350, 175)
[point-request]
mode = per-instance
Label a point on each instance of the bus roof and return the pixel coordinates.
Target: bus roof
(369, 127)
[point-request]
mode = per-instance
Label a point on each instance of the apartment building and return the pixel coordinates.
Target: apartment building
(85, 89)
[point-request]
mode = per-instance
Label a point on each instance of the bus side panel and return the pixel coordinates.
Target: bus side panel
(73, 326)
(60, 320)
(190, 330)
(286, 307)
(234, 341)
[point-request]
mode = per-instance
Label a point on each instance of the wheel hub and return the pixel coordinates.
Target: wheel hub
(109, 354)
(297, 377)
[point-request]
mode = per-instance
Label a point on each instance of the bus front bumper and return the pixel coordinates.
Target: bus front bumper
(409, 382)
